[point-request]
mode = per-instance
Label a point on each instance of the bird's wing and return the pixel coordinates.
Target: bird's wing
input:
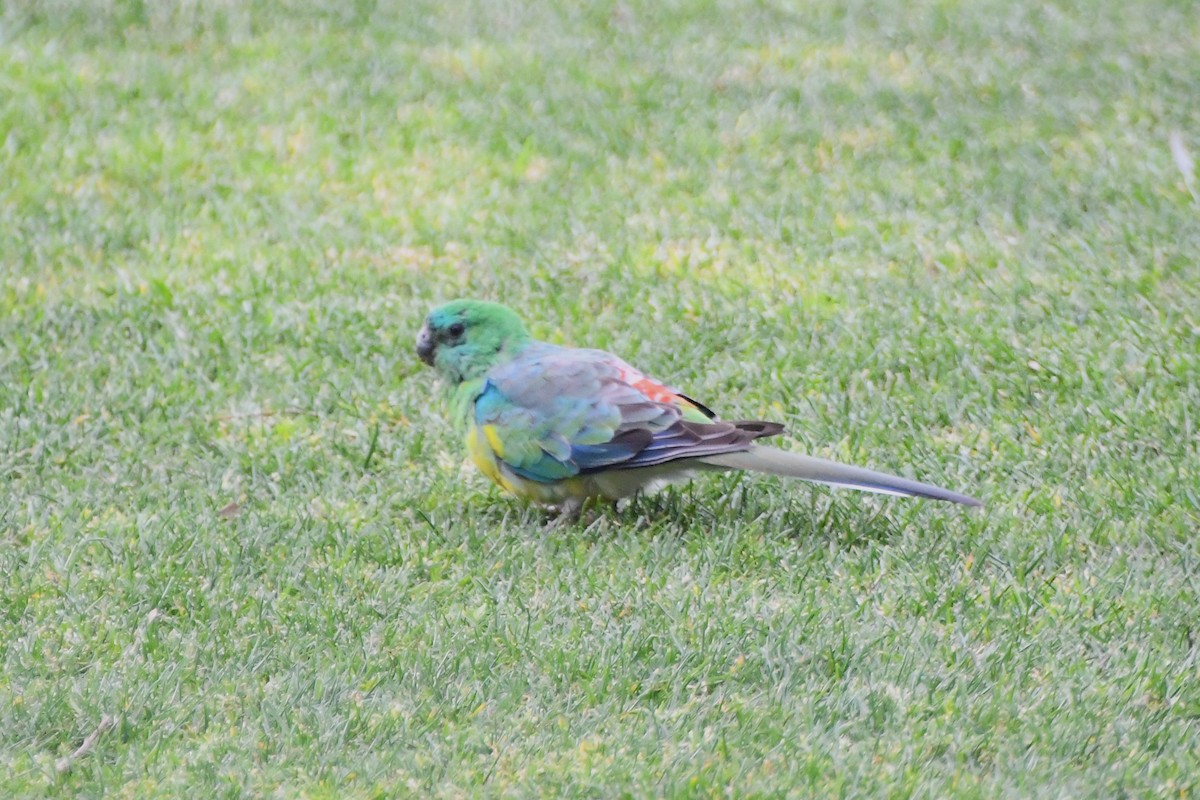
(555, 412)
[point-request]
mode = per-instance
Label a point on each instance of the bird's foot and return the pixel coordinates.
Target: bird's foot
(567, 513)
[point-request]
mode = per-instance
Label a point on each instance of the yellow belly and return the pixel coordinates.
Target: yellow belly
(483, 446)
(484, 455)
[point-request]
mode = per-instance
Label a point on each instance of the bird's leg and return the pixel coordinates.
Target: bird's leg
(571, 510)
(568, 513)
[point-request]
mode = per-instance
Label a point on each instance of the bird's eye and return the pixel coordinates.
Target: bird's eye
(456, 330)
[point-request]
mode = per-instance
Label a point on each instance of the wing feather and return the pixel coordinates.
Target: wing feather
(557, 412)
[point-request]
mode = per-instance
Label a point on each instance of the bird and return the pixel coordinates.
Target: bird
(563, 425)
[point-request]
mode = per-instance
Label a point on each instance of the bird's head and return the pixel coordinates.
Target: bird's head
(463, 339)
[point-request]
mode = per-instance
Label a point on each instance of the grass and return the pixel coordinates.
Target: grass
(944, 239)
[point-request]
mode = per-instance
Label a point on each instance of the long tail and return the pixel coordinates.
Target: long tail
(794, 465)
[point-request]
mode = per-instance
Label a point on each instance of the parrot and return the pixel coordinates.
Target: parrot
(560, 425)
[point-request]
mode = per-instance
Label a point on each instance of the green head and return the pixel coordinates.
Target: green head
(463, 339)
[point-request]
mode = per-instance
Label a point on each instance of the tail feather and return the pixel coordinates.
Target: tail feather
(759, 458)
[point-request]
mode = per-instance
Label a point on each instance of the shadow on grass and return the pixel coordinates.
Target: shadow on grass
(801, 512)
(849, 518)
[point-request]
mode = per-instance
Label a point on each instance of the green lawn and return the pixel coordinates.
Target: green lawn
(945, 239)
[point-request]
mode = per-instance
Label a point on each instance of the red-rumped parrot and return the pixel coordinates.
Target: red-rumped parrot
(559, 425)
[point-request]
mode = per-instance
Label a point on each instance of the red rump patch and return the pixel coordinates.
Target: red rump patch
(656, 391)
(652, 388)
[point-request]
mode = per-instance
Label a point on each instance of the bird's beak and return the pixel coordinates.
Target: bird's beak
(425, 345)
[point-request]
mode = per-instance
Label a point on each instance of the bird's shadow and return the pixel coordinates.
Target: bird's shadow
(850, 519)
